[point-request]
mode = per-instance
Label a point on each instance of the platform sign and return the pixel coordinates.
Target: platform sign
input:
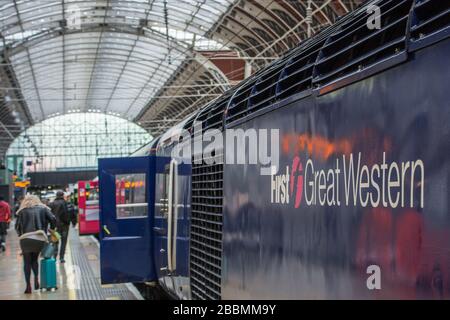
(22, 184)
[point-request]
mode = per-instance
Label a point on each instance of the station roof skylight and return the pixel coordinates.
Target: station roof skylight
(76, 141)
(106, 55)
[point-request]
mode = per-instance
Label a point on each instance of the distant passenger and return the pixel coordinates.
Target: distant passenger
(46, 201)
(33, 220)
(63, 218)
(5, 218)
(17, 205)
(72, 211)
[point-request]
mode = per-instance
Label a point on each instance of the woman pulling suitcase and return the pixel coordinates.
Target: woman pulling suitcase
(33, 220)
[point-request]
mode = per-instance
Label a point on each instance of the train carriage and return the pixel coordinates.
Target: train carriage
(88, 207)
(360, 186)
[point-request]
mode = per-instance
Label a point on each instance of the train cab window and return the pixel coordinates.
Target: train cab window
(131, 196)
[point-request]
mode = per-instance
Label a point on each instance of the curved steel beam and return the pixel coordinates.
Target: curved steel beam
(118, 28)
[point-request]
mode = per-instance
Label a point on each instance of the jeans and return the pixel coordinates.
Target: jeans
(64, 232)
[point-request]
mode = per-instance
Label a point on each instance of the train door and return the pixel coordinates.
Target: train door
(172, 205)
(126, 219)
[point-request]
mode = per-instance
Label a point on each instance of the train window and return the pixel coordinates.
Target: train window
(92, 196)
(162, 193)
(131, 196)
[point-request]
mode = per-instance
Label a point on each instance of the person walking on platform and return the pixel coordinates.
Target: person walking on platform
(72, 212)
(5, 218)
(17, 205)
(33, 220)
(63, 218)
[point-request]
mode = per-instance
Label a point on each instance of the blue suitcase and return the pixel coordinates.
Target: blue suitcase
(48, 274)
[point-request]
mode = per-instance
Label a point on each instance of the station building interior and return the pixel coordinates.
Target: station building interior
(93, 87)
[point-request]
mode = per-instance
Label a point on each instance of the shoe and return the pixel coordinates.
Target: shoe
(3, 247)
(36, 285)
(28, 289)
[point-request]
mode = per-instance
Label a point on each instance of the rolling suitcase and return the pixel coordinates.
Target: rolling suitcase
(48, 274)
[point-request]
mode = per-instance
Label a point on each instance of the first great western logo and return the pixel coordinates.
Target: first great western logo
(349, 181)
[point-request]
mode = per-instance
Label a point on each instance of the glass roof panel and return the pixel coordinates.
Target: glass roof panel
(89, 49)
(76, 141)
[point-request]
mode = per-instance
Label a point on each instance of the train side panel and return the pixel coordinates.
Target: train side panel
(362, 187)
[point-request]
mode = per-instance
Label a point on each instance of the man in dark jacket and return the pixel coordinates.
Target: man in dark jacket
(72, 212)
(63, 219)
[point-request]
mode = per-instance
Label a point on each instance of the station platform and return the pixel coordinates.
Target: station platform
(78, 278)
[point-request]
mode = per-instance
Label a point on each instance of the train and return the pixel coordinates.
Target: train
(344, 194)
(88, 207)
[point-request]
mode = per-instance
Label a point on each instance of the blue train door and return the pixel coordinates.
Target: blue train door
(126, 219)
(171, 227)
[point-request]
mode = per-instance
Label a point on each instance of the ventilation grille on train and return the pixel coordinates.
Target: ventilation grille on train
(238, 104)
(298, 72)
(297, 75)
(356, 47)
(290, 75)
(429, 17)
(345, 49)
(263, 92)
(206, 212)
(216, 112)
(206, 231)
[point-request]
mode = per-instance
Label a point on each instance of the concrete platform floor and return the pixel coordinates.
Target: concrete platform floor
(78, 278)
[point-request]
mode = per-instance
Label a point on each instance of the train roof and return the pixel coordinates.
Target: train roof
(346, 52)
(142, 151)
(173, 134)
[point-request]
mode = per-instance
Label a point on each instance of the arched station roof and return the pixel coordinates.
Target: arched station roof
(136, 59)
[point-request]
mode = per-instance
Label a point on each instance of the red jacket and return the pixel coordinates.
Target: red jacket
(5, 212)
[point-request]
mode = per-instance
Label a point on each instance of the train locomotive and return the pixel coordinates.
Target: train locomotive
(356, 205)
